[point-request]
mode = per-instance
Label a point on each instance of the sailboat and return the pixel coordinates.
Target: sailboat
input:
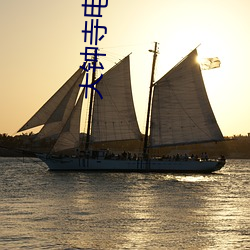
(178, 113)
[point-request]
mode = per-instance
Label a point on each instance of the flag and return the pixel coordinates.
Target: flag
(210, 63)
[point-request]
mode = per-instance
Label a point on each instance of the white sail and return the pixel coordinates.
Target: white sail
(58, 118)
(114, 116)
(45, 112)
(69, 136)
(181, 112)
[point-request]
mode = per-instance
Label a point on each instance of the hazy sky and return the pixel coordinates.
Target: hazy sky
(41, 43)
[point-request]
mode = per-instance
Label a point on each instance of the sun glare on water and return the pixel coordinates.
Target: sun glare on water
(193, 178)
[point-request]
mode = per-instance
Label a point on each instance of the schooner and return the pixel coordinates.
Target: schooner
(178, 113)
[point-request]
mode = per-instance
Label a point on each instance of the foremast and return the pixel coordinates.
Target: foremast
(145, 146)
(90, 111)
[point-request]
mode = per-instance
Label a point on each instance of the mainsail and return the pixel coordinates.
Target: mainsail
(69, 136)
(181, 112)
(114, 116)
(46, 111)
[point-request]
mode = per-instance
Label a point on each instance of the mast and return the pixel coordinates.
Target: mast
(145, 146)
(90, 111)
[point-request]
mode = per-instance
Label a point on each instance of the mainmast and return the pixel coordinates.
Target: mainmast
(145, 146)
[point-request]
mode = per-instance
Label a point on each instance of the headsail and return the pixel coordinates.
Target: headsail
(69, 136)
(114, 116)
(181, 112)
(45, 112)
(58, 118)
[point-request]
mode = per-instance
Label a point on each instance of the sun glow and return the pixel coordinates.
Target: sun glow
(198, 60)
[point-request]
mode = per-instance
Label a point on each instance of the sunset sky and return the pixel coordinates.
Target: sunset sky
(41, 43)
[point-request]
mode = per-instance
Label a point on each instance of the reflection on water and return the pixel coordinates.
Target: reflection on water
(194, 178)
(49, 210)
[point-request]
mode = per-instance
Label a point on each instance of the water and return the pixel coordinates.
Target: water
(40, 209)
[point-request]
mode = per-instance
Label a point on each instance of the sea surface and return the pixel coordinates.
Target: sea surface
(40, 209)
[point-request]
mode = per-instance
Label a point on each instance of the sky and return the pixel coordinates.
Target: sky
(41, 42)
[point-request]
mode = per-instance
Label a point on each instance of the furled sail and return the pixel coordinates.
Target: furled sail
(45, 112)
(58, 118)
(69, 136)
(114, 116)
(181, 112)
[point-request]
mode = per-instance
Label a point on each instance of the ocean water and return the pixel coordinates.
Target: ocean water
(40, 209)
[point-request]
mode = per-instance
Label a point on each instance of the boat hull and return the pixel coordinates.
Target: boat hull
(75, 164)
